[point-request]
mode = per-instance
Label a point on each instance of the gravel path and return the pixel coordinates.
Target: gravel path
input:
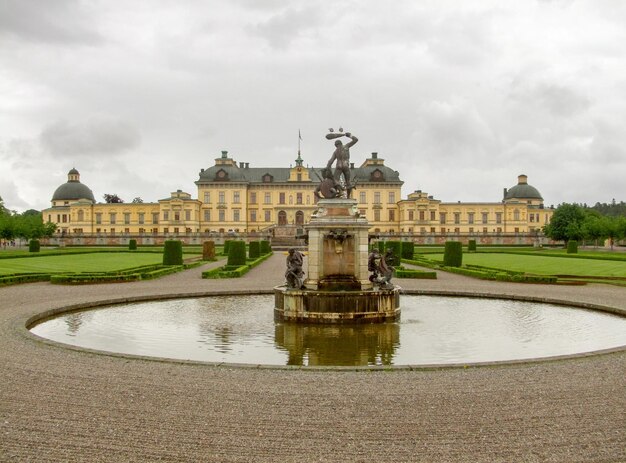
(59, 404)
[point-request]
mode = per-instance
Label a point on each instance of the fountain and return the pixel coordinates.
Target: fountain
(338, 287)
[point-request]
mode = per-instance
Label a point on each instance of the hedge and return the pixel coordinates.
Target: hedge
(24, 278)
(173, 253)
(208, 250)
(408, 249)
(415, 274)
(236, 253)
(226, 246)
(471, 245)
(234, 271)
(34, 246)
(453, 254)
(572, 247)
(265, 247)
(77, 278)
(132, 245)
(254, 249)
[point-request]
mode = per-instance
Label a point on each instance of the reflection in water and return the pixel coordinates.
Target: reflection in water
(432, 330)
(316, 345)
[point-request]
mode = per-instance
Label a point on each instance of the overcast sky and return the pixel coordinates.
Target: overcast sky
(459, 96)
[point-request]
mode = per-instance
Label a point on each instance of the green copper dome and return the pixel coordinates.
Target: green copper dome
(73, 189)
(522, 190)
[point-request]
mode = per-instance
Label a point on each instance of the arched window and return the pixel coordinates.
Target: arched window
(299, 218)
(282, 218)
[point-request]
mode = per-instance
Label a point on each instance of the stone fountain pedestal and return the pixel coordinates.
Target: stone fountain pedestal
(337, 288)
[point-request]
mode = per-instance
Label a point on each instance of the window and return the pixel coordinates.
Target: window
(253, 216)
(362, 197)
(142, 230)
(442, 217)
(281, 198)
(155, 217)
(81, 215)
(470, 217)
(484, 230)
(236, 199)
(176, 216)
(432, 229)
(392, 215)
(141, 218)
(166, 215)
(253, 197)
(166, 230)
(531, 217)
(457, 218)
(299, 177)
(222, 197)
(187, 214)
(127, 230)
(98, 218)
(112, 231)
(298, 198)
(433, 216)
(377, 197)
(412, 215)
(222, 215)
(392, 197)
(422, 215)
(126, 218)
(207, 215)
(207, 197)
(516, 214)
(485, 217)
(236, 213)
(112, 217)
(498, 217)
(268, 215)
(268, 198)
(376, 215)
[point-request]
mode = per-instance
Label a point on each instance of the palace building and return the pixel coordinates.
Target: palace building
(236, 198)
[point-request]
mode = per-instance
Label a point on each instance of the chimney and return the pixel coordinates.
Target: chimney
(224, 154)
(241, 164)
(374, 155)
(247, 165)
(504, 194)
(352, 165)
(522, 179)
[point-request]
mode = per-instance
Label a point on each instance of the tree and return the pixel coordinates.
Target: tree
(566, 223)
(112, 198)
(137, 200)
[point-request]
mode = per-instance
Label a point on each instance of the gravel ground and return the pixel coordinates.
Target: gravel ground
(60, 404)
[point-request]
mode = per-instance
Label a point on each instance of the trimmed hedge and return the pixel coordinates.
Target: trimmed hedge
(24, 278)
(208, 250)
(572, 247)
(396, 248)
(415, 274)
(34, 246)
(265, 247)
(408, 249)
(226, 246)
(453, 254)
(173, 253)
(132, 245)
(471, 245)
(236, 253)
(77, 278)
(234, 271)
(381, 246)
(254, 249)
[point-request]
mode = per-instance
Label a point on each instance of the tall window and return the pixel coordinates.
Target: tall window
(236, 215)
(253, 215)
(432, 216)
(222, 215)
(442, 217)
(187, 214)
(141, 218)
(498, 217)
(207, 215)
(485, 217)
(392, 215)
(267, 198)
(470, 217)
(112, 217)
(412, 215)
(81, 215)
(236, 199)
(457, 217)
(126, 218)
(253, 197)
(376, 215)
(422, 215)
(98, 218)
(268, 215)
(166, 215)
(298, 198)
(362, 197)
(377, 197)
(392, 197)
(516, 214)
(281, 198)
(222, 197)
(207, 197)
(155, 217)
(177, 216)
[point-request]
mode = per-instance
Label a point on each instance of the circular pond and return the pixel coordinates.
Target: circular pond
(432, 330)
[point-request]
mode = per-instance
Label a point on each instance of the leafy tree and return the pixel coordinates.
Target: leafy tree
(112, 198)
(593, 227)
(137, 200)
(566, 223)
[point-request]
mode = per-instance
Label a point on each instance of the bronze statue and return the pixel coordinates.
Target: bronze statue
(294, 275)
(342, 156)
(328, 187)
(381, 269)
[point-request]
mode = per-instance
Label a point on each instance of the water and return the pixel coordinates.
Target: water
(432, 330)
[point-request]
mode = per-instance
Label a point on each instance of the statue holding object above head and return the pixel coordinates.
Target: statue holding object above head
(342, 156)
(294, 275)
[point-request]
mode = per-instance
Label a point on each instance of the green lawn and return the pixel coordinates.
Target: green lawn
(543, 265)
(93, 262)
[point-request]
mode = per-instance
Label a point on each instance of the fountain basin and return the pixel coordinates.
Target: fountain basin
(315, 306)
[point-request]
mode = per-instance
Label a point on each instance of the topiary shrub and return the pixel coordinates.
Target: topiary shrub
(408, 248)
(381, 246)
(34, 246)
(254, 249)
(173, 252)
(236, 254)
(471, 245)
(396, 248)
(132, 245)
(453, 254)
(572, 247)
(226, 246)
(265, 247)
(208, 250)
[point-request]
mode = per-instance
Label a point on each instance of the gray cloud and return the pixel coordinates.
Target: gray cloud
(96, 135)
(283, 28)
(61, 21)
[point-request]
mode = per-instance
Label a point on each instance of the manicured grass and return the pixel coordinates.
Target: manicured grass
(93, 262)
(543, 265)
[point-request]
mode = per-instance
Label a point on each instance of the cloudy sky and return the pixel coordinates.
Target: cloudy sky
(458, 96)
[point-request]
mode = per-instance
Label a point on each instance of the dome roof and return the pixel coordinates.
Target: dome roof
(73, 189)
(522, 190)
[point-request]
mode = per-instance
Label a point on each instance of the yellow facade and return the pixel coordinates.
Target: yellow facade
(237, 198)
